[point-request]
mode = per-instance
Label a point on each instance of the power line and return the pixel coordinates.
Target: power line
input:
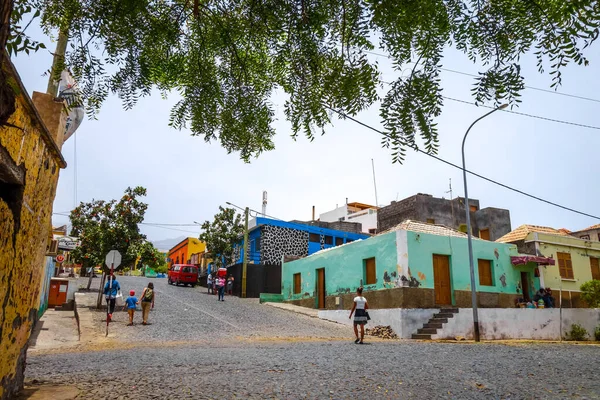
(460, 168)
(558, 121)
(477, 76)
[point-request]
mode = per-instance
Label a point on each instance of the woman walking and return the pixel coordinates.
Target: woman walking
(221, 288)
(147, 301)
(359, 309)
(111, 289)
(230, 285)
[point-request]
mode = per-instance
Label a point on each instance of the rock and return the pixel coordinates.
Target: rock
(384, 332)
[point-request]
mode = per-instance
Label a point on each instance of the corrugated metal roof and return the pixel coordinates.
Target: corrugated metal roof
(521, 233)
(422, 227)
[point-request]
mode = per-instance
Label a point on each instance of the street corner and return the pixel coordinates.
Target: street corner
(36, 390)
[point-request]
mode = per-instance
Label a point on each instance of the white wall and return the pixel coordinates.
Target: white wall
(368, 221)
(518, 323)
(334, 215)
(404, 321)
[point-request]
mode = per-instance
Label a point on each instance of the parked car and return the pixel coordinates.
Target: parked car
(183, 274)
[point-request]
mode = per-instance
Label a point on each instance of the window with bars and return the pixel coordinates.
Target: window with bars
(486, 277)
(565, 266)
(595, 266)
(297, 283)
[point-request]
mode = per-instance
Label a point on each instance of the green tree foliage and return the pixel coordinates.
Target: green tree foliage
(149, 255)
(106, 225)
(221, 234)
(227, 58)
(590, 293)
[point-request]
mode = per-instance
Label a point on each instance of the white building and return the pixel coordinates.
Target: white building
(354, 212)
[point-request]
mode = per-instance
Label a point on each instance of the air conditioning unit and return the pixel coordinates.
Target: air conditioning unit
(52, 248)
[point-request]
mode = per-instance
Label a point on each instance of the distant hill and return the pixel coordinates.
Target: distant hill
(167, 244)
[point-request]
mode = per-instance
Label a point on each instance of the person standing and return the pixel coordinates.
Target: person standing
(147, 301)
(230, 285)
(111, 289)
(221, 288)
(209, 284)
(359, 309)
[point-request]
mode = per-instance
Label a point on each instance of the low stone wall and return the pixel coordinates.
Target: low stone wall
(403, 321)
(517, 323)
(408, 297)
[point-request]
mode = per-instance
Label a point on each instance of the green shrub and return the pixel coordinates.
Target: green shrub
(162, 269)
(597, 333)
(577, 333)
(590, 293)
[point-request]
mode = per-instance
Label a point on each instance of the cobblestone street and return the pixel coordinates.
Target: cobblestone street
(197, 347)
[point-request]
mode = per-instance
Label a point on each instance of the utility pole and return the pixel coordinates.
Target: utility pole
(245, 262)
(59, 57)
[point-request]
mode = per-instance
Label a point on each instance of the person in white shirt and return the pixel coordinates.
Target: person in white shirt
(359, 309)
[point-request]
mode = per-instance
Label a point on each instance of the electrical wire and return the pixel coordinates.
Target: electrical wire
(477, 76)
(525, 114)
(344, 115)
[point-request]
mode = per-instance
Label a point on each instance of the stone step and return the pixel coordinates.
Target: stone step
(438, 320)
(421, 336)
(431, 331)
(443, 315)
(436, 325)
(449, 310)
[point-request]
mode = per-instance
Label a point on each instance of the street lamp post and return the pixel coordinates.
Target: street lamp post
(469, 238)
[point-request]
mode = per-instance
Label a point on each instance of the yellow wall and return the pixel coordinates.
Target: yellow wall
(24, 230)
(195, 246)
(580, 250)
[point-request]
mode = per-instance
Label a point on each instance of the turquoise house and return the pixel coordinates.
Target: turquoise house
(414, 265)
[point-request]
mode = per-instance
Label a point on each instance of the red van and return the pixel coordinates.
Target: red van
(183, 274)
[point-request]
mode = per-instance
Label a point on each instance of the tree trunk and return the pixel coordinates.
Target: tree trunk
(100, 291)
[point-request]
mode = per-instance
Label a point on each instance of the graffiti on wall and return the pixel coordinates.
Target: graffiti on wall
(395, 280)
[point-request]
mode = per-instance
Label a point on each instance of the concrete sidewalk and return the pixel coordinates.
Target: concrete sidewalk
(56, 329)
(310, 312)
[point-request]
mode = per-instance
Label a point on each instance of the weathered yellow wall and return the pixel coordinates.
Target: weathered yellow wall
(23, 243)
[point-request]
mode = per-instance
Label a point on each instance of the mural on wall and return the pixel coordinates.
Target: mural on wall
(277, 241)
(45, 286)
(395, 280)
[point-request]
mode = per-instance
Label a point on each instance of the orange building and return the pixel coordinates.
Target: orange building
(182, 252)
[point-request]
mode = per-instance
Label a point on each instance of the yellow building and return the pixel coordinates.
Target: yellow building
(577, 260)
(183, 251)
(30, 161)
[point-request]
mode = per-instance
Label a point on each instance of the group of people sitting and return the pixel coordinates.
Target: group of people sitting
(542, 299)
(544, 296)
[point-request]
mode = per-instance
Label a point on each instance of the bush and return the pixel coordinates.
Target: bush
(590, 293)
(162, 269)
(577, 333)
(597, 333)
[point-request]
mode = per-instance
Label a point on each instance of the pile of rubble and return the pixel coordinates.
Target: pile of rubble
(384, 332)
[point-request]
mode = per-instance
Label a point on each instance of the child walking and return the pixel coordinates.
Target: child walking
(131, 303)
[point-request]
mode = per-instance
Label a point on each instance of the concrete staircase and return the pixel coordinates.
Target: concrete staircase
(436, 322)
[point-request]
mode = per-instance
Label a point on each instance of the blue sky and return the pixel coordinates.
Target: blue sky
(187, 179)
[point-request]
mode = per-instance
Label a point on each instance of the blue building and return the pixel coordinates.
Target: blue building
(271, 240)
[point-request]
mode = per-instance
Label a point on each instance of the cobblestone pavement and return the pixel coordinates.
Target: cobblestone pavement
(198, 348)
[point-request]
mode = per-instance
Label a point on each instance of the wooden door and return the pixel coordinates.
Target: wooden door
(53, 294)
(484, 234)
(595, 268)
(321, 288)
(441, 279)
(525, 286)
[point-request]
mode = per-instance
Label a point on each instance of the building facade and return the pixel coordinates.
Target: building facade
(591, 233)
(414, 265)
(271, 240)
(364, 214)
(184, 251)
(576, 260)
(30, 161)
(488, 223)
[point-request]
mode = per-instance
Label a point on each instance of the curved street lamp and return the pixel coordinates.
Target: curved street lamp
(469, 238)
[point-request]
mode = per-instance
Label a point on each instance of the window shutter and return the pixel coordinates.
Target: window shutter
(595, 268)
